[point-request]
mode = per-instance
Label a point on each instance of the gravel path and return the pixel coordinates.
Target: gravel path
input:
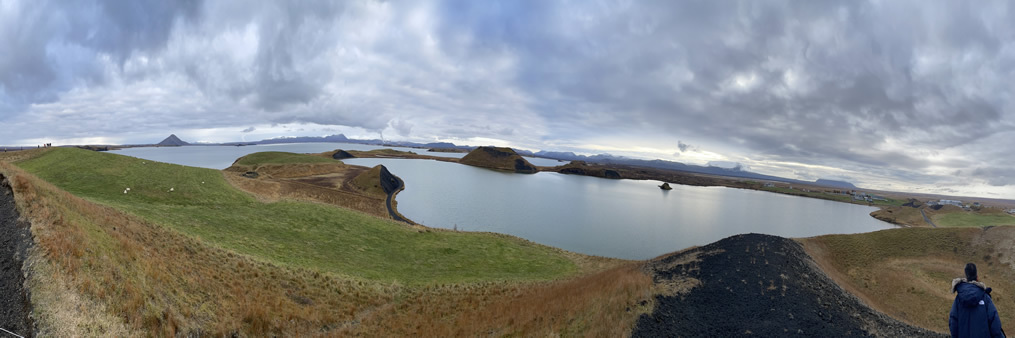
(927, 219)
(757, 285)
(15, 238)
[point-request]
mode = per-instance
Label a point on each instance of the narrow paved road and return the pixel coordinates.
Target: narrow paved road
(391, 195)
(925, 219)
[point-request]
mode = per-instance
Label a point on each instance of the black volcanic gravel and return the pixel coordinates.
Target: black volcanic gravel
(15, 238)
(760, 285)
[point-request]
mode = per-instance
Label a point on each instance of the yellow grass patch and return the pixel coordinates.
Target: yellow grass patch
(907, 273)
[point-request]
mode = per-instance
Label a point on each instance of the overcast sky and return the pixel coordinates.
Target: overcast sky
(902, 95)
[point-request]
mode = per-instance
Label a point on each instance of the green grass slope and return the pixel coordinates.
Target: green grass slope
(203, 205)
(971, 219)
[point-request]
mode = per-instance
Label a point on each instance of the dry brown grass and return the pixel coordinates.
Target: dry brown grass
(272, 190)
(907, 273)
(291, 170)
(602, 304)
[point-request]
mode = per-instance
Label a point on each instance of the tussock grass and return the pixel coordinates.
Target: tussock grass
(602, 304)
(907, 273)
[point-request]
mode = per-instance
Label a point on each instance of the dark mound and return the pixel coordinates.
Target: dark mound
(15, 239)
(759, 285)
(582, 168)
(498, 158)
(172, 140)
(341, 154)
(389, 182)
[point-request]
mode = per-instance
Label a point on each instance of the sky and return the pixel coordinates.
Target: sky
(894, 95)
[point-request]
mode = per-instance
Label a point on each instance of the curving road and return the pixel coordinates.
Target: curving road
(391, 195)
(927, 219)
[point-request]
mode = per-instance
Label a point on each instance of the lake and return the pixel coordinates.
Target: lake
(615, 218)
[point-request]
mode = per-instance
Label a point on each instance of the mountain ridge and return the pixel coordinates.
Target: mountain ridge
(172, 140)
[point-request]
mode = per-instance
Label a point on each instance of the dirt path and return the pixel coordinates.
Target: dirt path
(758, 285)
(15, 238)
(927, 219)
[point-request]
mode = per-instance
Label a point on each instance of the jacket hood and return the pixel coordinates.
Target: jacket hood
(970, 293)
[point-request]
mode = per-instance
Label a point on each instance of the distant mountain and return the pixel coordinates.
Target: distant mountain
(307, 139)
(172, 140)
(835, 184)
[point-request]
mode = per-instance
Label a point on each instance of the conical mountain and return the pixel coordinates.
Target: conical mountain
(172, 140)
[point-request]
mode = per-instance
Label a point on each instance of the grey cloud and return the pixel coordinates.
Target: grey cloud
(249, 129)
(683, 146)
(403, 127)
(50, 47)
(876, 88)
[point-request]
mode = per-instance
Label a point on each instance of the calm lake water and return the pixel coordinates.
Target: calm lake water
(614, 218)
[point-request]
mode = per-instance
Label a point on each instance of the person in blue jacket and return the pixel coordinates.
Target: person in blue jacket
(973, 312)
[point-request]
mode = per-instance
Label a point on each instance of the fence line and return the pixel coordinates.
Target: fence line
(15, 334)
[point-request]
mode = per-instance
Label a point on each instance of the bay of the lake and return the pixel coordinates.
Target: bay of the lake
(628, 219)
(615, 218)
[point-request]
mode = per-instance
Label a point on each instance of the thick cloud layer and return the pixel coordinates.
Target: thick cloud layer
(892, 94)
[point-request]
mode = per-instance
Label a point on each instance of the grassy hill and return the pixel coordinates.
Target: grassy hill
(203, 205)
(907, 273)
(498, 158)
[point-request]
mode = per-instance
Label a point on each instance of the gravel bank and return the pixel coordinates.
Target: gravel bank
(15, 238)
(758, 285)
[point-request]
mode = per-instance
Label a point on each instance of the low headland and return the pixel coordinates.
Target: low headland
(500, 159)
(307, 247)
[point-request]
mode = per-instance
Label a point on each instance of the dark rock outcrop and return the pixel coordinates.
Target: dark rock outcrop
(582, 168)
(573, 171)
(389, 182)
(759, 285)
(15, 240)
(341, 154)
(665, 186)
(251, 174)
